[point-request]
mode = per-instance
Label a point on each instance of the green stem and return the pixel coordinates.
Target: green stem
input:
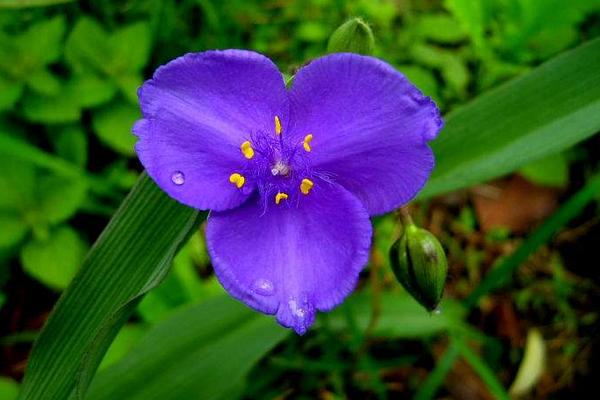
(405, 217)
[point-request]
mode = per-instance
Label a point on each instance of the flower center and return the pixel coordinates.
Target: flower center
(278, 167)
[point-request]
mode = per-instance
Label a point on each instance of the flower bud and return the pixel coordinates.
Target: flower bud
(419, 263)
(353, 36)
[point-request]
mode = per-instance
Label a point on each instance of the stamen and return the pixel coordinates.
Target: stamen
(280, 196)
(306, 185)
(277, 125)
(247, 149)
(237, 179)
(306, 144)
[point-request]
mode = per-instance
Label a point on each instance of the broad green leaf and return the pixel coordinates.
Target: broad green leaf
(27, 52)
(54, 260)
(17, 184)
(312, 31)
(71, 143)
(58, 198)
(43, 82)
(58, 109)
(86, 48)
(199, 352)
(452, 67)
(440, 28)
(401, 316)
(119, 175)
(129, 258)
(129, 83)
(90, 90)
(10, 92)
(552, 170)
(90, 48)
(129, 48)
(455, 73)
(9, 389)
(541, 113)
(113, 125)
(43, 40)
(534, 27)
(472, 15)
(13, 229)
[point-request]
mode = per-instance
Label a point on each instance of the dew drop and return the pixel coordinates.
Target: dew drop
(178, 178)
(437, 311)
(263, 287)
(296, 310)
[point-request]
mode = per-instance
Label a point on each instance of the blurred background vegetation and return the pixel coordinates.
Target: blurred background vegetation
(69, 72)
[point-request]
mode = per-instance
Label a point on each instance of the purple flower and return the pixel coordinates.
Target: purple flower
(291, 176)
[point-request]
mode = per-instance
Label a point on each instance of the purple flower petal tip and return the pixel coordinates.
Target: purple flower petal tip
(291, 176)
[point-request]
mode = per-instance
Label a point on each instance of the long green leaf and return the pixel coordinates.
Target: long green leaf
(198, 353)
(129, 258)
(551, 108)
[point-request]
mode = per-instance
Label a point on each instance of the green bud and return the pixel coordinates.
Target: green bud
(353, 36)
(419, 263)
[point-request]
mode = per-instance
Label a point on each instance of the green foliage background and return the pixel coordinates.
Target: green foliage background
(69, 72)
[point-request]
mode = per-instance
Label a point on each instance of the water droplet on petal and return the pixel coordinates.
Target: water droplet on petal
(178, 178)
(263, 287)
(296, 310)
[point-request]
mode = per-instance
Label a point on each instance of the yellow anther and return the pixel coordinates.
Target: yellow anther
(247, 149)
(280, 196)
(277, 125)
(306, 144)
(306, 186)
(237, 179)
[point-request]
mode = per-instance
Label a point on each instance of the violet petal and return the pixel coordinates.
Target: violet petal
(293, 259)
(370, 127)
(197, 111)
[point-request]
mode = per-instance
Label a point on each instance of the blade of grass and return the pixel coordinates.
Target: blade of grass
(499, 275)
(482, 369)
(435, 379)
(130, 257)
